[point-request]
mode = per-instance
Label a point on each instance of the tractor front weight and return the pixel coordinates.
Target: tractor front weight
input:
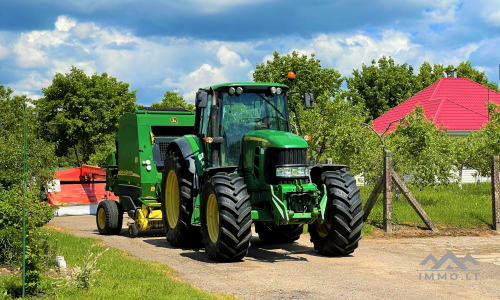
(294, 203)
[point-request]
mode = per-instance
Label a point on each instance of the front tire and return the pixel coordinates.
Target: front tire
(279, 234)
(226, 217)
(109, 220)
(344, 212)
(177, 204)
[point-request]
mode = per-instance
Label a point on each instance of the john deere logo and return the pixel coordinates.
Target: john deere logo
(174, 120)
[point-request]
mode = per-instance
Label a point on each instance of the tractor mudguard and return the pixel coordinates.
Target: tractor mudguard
(317, 170)
(183, 145)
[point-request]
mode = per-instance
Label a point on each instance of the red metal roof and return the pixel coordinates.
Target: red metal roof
(457, 103)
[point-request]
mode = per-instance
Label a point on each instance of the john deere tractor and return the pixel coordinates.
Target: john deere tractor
(244, 165)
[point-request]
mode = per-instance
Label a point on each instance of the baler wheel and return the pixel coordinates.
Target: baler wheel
(177, 202)
(279, 234)
(133, 231)
(344, 211)
(108, 218)
(226, 217)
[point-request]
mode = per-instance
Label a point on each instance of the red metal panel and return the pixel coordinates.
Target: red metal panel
(80, 186)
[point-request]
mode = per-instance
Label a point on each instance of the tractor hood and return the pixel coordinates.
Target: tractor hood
(275, 139)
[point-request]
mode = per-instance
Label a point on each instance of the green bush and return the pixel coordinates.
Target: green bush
(11, 209)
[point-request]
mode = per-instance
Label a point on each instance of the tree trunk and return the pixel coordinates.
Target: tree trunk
(478, 179)
(460, 178)
(76, 154)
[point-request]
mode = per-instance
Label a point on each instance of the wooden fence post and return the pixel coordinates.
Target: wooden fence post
(387, 191)
(495, 196)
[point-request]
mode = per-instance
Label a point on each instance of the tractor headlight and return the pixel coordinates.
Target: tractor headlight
(273, 90)
(297, 171)
(231, 91)
(278, 91)
(239, 90)
(301, 171)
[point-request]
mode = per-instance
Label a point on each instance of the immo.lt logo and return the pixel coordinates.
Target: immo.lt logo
(448, 267)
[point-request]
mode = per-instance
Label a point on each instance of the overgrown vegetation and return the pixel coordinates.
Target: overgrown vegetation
(119, 274)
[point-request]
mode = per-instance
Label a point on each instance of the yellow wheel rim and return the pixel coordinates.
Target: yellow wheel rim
(101, 218)
(172, 201)
(323, 229)
(213, 218)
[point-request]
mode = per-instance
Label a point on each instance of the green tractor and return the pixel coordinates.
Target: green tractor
(243, 166)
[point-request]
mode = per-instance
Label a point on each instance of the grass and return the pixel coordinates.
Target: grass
(446, 206)
(121, 276)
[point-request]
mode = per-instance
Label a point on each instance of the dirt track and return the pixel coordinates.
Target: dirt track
(379, 269)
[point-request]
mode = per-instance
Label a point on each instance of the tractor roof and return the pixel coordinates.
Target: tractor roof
(263, 84)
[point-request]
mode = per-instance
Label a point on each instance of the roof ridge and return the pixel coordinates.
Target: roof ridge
(438, 110)
(467, 108)
(436, 89)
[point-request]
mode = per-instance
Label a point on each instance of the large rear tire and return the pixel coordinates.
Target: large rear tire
(279, 234)
(109, 220)
(345, 213)
(226, 223)
(177, 203)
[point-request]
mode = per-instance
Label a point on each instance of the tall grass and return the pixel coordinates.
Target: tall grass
(446, 206)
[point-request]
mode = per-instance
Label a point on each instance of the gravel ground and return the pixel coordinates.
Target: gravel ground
(379, 269)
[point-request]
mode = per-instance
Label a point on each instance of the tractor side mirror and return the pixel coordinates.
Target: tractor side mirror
(309, 100)
(201, 99)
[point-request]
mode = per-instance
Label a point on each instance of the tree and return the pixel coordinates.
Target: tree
(381, 87)
(40, 153)
(333, 122)
(421, 149)
(428, 75)
(82, 113)
(172, 99)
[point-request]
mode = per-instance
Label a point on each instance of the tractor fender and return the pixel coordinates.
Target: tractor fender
(317, 170)
(182, 145)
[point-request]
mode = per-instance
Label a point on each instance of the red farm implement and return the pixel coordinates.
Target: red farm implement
(78, 191)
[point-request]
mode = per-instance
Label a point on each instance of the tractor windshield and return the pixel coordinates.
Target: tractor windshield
(247, 112)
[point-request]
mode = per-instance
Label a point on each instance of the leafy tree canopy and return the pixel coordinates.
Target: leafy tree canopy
(78, 110)
(383, 86)
(421, 149)
(172, 99)
(41, 158)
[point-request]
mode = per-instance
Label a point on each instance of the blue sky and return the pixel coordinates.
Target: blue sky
(183, 45)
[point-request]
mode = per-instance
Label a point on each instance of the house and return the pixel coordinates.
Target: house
(459, 104)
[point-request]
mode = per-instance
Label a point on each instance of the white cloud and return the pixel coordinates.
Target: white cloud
(4, 52)
(32, 82)
(346, 53)
(494, 17)
(232, 69)
(64, 67)
(64, 23)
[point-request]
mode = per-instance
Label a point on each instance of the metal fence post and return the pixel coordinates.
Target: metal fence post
(387, 191)
(495, 195)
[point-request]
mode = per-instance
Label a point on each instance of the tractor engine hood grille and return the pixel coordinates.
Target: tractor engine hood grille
(282, 156)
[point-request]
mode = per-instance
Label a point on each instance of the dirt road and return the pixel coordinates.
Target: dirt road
(379, 269)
